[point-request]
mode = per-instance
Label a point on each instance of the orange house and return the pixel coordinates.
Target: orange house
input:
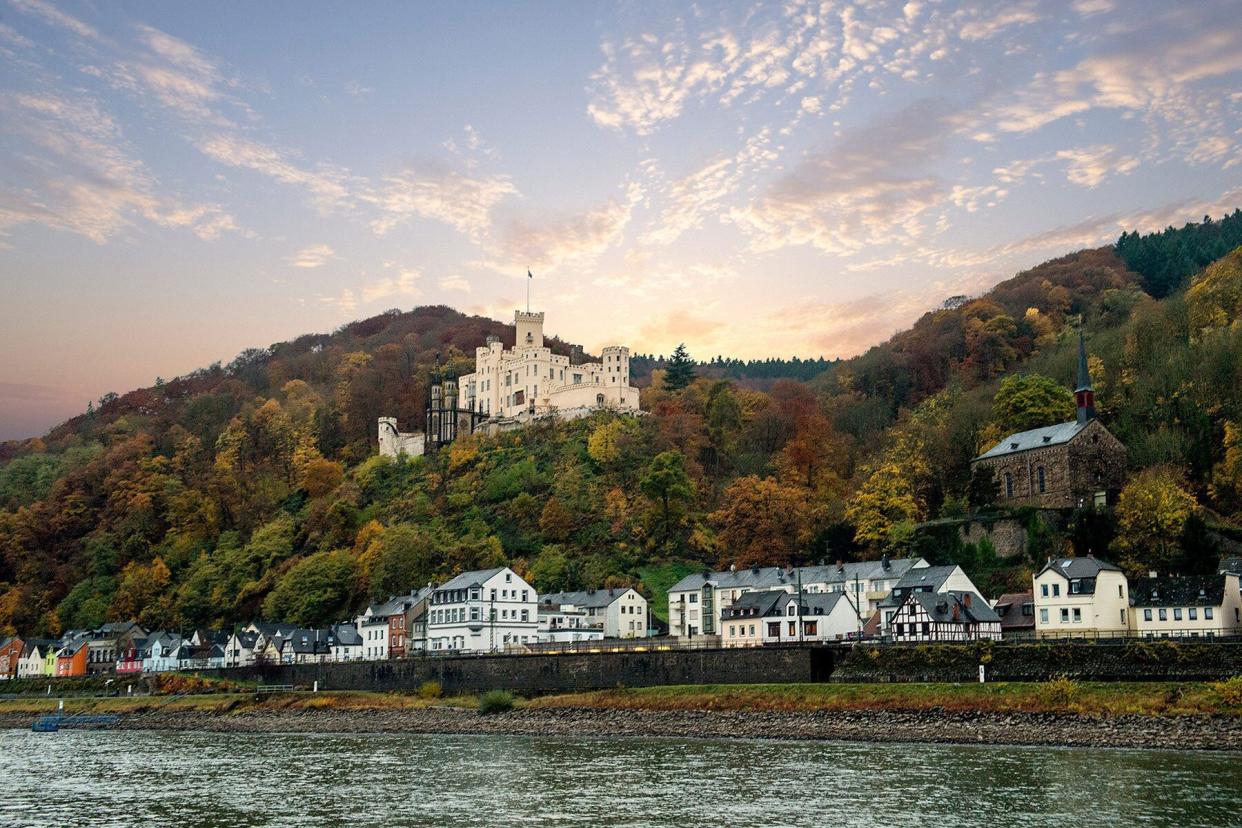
(71, 661)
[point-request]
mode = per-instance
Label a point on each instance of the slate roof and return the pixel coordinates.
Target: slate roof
(813, 603)
(1070, 568)
(1009, 608)
(469, 579)
(753, 605)
(939, 607)
(923, 578)
(770, 577)
(1186, 591)
(1233, 565)
(347, 635)
(1053, 435)
(588, 598)
(247, 639)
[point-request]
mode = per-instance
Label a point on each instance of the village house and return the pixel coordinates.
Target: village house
(239, 651)
(71, 660)
(696, 602)
(1204, 606)
(1081, 597)
(483, 611)
(764, 618)
(1017, 615)
(566, 624)
(741, 623)
(944, 616)
(159, 654)
(1070, 465)
(10, 656)
(34, 660)
(949, 578)
(345, 642)
(619, 613)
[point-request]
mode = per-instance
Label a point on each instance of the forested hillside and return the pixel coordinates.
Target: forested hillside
(252, 489)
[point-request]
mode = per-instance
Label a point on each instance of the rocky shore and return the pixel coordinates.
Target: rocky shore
(1063, 730)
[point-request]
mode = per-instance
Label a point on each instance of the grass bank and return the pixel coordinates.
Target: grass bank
(1088, 698)
(234, 703)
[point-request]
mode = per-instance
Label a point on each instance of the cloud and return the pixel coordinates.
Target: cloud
(464, 202)
(317, 255)
(1088, 166)
(547, 242)
(999, 18)
(454, 283)
(81, 178)
(667, 330)
(400, 285)
(54, 16)
(345, 301)
(869, 188)
(326, 185)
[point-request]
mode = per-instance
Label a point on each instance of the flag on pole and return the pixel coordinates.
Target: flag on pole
(529, 275)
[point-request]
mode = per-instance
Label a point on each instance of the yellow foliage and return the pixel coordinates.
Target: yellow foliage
(1214, 299)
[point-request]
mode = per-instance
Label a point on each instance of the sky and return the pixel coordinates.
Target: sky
(181, 181)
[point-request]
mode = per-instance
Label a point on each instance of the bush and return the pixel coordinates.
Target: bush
(495, 701)
(430, 690)
(1060, 691)
(1229, 691)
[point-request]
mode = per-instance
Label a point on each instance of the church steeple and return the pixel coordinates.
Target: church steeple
(1084, 394)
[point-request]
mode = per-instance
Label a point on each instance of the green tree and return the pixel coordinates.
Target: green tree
(1027, 401)
(669, 488)
(404, 559)
(679, 371)
(317, 590)
(552, 570)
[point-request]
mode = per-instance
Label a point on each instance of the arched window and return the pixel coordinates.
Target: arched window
(1008, 484)
(1042, 482)
(599, 400)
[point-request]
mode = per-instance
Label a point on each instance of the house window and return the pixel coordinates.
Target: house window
(1193, 613)
(792, 630)
(1043, 616)
(1207, 614)
(1077, 615)
(1123, 616)
(1056, 590)
(774, 629)
(1146, 615)
(1008, 484)
(1064, 615)
(694, 598)
(752, 629)
(1177, 614)
(1039, 473)
(1043, 590)
(1164, 615)
(811, 628)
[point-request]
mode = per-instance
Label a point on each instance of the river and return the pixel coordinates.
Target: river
(378, 781)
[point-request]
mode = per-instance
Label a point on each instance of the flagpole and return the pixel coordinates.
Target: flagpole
(529, 278)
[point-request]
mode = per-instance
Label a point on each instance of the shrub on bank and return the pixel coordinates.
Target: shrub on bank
(1229, 691)
(430, 690)
(495, 701)
(1061, 691)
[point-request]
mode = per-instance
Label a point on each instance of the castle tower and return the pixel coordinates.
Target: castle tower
(1084, 394)
(388, 436)
(529, 329)
(617, 357)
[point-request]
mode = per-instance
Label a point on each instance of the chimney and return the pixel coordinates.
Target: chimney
(840, 565)
(884, 562)
(957, 612)
(966, 600)
(1091, 555)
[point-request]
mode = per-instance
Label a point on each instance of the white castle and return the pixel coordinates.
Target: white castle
(510, 388)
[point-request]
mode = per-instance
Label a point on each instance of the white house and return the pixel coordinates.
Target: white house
(1081, 597)
(483, 611)
(345, 642)
(773, 617)
(696, 602)
(160, 653)
(239, 650)
(564, 623)
(619, 613)
(1186, 607)
(923, 579)
(944, 616)
(33, 660)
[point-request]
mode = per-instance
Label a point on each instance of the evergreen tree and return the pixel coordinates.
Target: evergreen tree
(680, 370)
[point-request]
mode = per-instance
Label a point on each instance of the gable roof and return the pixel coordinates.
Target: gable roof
(813, 603)
(1009, 608)
(1186, 591)
(754, 604)
(1070, 568)
(466, 580)
(589, 598)
(1053, 435)
(346, 635)
(939, 607)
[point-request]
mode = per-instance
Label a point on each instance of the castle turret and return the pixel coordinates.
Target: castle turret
(1084, 394)
(529, 329)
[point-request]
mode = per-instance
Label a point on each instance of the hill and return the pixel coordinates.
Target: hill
(252, 489)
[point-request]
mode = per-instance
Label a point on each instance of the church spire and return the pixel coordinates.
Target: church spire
(1084, 394)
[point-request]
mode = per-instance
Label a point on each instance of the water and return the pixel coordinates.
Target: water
(205, 779)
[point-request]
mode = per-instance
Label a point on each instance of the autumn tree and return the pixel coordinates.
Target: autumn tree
(1152, 512)
(317, 590)
(1027, 401)
(762, 522)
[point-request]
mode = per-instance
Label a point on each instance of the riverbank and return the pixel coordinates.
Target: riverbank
(1179, 716)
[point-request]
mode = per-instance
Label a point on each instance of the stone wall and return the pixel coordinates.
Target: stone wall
(1087, 661)
(537, 674)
